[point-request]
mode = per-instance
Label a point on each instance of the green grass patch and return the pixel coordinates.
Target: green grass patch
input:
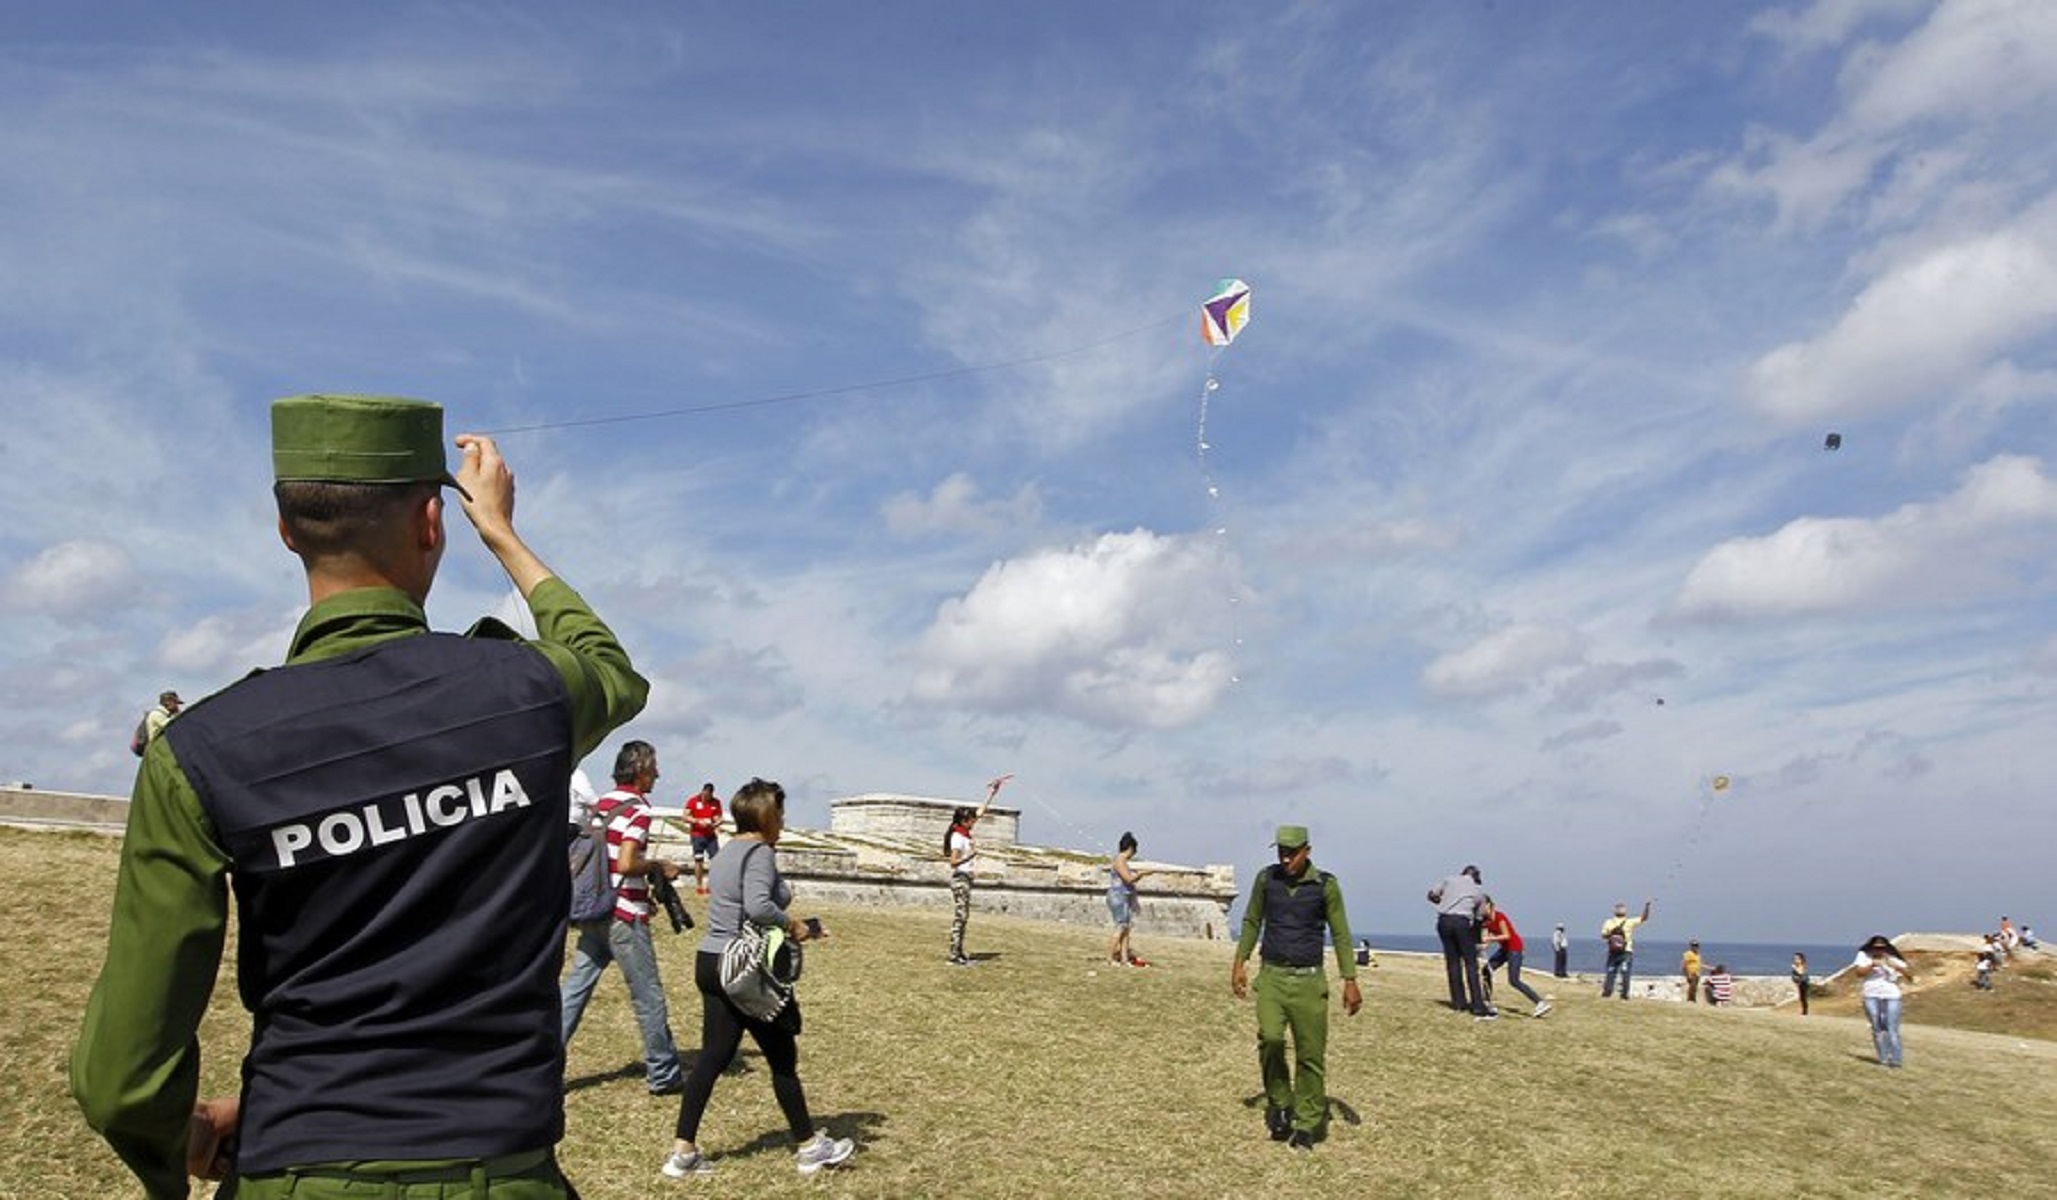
(1044, 1071)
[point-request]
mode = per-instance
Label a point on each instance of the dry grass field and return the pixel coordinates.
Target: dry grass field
(1041, 1073)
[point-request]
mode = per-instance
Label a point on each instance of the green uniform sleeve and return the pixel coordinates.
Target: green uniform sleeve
(1339, 928)
(606, 692)
(1253, 918)
(136, 1069)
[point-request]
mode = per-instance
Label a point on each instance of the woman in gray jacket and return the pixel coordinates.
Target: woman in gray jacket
(744, 885)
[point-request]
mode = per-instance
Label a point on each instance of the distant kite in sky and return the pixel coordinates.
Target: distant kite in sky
(1721, 783)
(1225, 313)
(1833, 441)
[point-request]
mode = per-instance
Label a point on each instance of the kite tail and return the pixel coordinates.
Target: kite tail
(1217, 521)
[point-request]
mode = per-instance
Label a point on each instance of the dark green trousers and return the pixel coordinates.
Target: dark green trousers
(521, 1177)
(1296, 1001)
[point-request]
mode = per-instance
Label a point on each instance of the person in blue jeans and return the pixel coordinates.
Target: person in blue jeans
(625, 936)
(1619, 933)
(1499, 932)
(1882, 969)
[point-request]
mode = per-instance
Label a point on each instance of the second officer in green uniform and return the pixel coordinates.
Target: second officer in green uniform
(1289, 906)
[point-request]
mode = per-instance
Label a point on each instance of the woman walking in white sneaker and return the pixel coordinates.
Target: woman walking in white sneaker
(745, 885)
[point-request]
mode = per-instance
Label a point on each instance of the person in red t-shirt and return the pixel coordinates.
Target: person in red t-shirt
(1497, 930)
(703, 821)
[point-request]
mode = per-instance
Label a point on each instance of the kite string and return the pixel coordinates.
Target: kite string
(845, 389)
(1087, 841)
(1687, 847)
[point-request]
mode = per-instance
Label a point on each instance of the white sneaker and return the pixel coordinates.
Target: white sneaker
(821, 1150)
(1542, 1008)
(685, 1166)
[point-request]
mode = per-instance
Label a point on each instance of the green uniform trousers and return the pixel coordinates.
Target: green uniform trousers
(518, 1177)
(1289, 998)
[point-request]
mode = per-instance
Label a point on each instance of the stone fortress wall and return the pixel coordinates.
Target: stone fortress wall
(21, 804)
(880, 849)
(886, 850)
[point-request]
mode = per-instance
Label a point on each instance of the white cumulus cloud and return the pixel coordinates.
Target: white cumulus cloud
(74, 580)
(223, 647)
(1920, 329)
(1505, 661)
(1971, 69)
(1968, 542)
(1112, 631)
(955, 506)
(1971, 60)
(1827, 22)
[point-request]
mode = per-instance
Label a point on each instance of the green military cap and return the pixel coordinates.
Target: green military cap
(358, 439)
(1291, 837)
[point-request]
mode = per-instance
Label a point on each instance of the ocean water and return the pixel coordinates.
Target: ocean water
(1653, 956)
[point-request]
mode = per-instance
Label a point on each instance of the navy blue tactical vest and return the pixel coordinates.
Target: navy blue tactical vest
(1295, 913)
(396, 821)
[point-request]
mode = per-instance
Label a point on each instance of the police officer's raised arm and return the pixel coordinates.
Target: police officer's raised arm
(606, 691)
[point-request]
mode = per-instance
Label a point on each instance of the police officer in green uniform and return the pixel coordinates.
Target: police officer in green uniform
(388, 807)
(1290, 904)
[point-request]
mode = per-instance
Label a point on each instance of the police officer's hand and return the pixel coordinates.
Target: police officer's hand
(1353, 999)
(489, 483)
(487, 480)
(210, 1137)
(1238, 980)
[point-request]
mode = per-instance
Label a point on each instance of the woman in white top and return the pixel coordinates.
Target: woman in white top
(1883, 970)
(962, 851)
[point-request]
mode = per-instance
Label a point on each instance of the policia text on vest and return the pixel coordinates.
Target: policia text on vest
(395, 819)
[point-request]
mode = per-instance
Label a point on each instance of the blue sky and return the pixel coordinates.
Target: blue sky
(1513, 531)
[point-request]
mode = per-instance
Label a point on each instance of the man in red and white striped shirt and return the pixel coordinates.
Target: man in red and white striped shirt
(625, 938)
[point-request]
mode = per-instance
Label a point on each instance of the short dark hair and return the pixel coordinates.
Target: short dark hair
(1128, 843)
(755, 801)
(636, 759)
(325, 517)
